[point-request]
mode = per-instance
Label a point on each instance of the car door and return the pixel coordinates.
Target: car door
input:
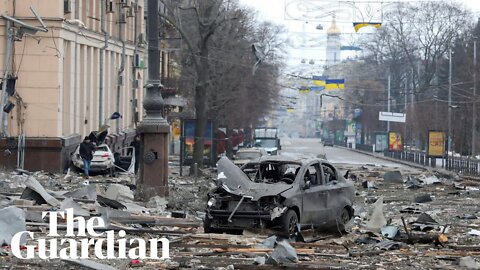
(313, 202)
(333, 192)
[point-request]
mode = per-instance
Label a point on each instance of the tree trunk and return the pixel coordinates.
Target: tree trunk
(201, 109)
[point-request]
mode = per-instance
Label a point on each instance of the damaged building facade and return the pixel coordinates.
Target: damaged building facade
(69, 79)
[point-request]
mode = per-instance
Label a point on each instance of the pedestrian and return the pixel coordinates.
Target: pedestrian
(87, 148)
(136, 146)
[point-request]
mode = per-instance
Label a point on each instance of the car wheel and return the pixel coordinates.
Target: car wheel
(289, 223)
(343, 218)
(207, 227)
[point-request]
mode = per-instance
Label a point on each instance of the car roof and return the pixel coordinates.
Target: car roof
(288, 159)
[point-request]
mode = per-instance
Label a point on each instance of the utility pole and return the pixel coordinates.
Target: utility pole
(449, 140)
(153, 129)
(388, 106)
(405, 109)
(474, 116)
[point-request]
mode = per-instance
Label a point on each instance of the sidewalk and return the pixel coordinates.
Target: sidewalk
(403, 162)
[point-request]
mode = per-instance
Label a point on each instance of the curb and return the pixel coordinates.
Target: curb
(411, 164)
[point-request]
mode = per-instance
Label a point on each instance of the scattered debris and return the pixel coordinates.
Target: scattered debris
(283, 253)
(468, 262)
(12, 221)
(89, 264)
(377, 219)
(37, 193)
(423, 198)
(393, 177)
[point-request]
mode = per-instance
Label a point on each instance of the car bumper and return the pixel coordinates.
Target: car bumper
(239, 220)
(95, 167)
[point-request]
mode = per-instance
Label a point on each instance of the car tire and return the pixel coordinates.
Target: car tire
(289, 223)
(207, 227)
(343, 218)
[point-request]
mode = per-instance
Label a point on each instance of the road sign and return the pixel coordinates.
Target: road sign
(392, 117)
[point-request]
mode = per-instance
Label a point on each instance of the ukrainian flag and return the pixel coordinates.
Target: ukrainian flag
(358, 25)
(318, 80)
(304, 89)
(290, 109)
(317, 89)
(333, 84)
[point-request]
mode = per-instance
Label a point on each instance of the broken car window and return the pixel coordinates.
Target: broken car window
(329, 173)
(311, 175)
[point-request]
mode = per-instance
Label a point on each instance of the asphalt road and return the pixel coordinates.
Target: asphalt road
(314, 148)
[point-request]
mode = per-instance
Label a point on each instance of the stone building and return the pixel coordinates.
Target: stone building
(70, 78)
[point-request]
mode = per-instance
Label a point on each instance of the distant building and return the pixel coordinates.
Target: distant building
(60, 95)
(333, 44)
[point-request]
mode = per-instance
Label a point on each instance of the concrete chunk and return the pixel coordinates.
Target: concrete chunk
(77, 208)
(89, 193)
(377, 219)
(119, 192)
(283, 253)
(158, 203)
(393, 177)
(12, 221)
(37, 193)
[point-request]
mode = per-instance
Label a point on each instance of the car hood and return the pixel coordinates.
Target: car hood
(233, 180)
(271, 149)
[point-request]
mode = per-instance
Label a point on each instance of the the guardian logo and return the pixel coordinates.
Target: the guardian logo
(85, 239)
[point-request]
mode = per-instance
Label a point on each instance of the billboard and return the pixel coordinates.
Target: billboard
(189, 139)
(395, 142)
(436, 144)
(381, 142)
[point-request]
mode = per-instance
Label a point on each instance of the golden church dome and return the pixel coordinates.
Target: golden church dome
(334, 29)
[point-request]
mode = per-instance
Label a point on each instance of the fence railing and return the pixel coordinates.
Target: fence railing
(464, 165)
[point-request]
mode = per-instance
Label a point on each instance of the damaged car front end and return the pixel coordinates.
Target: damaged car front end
(239, 202)
(278, 195)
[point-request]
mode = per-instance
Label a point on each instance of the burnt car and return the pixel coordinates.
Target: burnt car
(279, 193)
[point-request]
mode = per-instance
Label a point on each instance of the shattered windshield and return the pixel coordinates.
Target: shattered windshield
(274, 172)
(233, 180)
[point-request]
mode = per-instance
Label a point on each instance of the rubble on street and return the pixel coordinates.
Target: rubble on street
(434, 225)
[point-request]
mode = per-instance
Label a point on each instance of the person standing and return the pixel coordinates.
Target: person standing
(87, 148)
(136, 146)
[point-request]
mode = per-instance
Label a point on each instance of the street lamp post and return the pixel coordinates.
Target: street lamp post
(474, 116)
(153, 129)
(449, 136)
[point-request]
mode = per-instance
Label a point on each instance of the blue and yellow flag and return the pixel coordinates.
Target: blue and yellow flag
(304, 89)
(317, 89)
(358, 25)
(319, 80)
(333, 84)
(290, 109)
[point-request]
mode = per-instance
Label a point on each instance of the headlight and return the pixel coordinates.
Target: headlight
(211, 202)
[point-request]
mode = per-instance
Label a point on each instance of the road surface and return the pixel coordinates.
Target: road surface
(314, 148)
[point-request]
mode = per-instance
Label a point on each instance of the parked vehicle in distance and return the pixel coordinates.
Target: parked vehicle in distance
(280, 193)
(328, 142)
(267, 138)
(245, 155)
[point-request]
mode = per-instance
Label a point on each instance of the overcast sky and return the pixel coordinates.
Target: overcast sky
(315, 39)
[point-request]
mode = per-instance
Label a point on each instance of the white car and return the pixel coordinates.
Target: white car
(246, 155)
(103, 160)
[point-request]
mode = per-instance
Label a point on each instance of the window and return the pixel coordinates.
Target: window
(312, 175)
(329, 173)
